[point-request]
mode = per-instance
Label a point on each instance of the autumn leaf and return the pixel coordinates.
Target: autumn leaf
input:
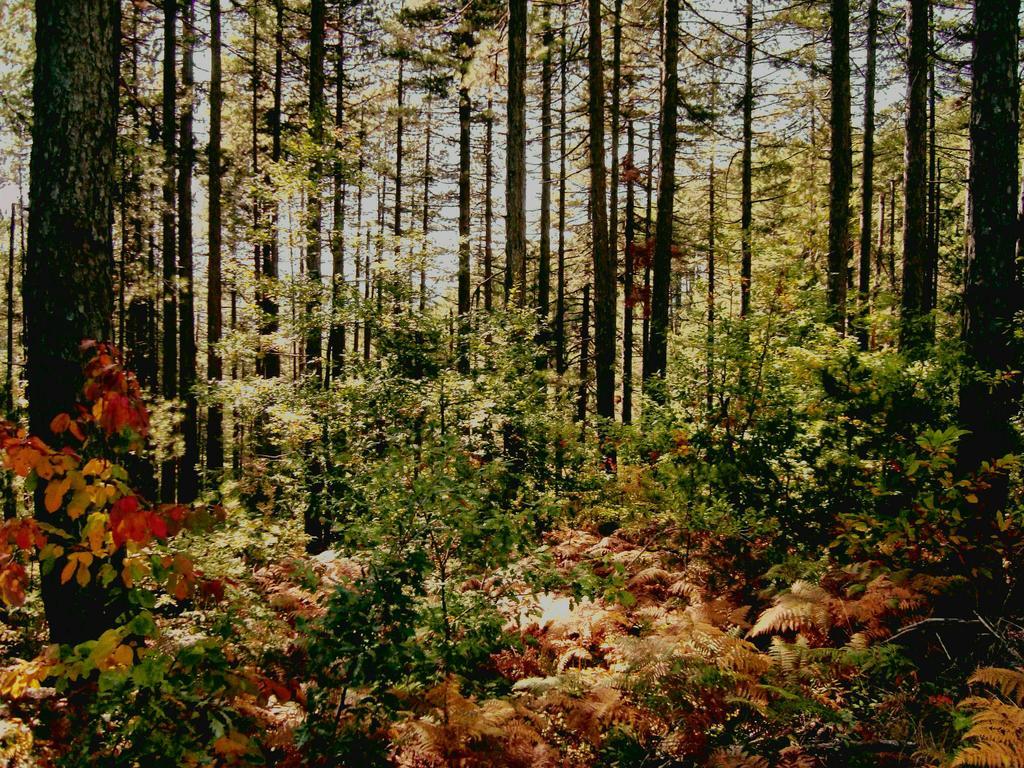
(54, 495)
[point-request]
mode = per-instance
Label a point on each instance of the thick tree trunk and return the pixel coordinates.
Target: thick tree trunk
(544, 268)
(515, 158)
(629, 289)
(581, 397)
(188, 468)
(747, 202)
(465, 213)
(616, 117)
(841, 168)
(560, 361)
(314, 222)
(711, 297)
(169, 346)
(488, 207)
(656, 354)
(68, 283)
(214, 366)
(992, 284)
(270, 364)
(867, 180)
(604, 267)
(914, 304)
(336, 338)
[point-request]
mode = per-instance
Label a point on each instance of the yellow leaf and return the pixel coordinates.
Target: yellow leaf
(68, 571)
(79, 503)
(95, 467)
(971, 498)
(55, 491)
(122, 656)
(96, 532)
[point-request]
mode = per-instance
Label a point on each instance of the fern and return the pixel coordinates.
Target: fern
(996, 736)
(803, 608)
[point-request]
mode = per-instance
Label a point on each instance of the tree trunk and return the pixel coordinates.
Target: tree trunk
(515, 162)
(169, 356)
(867, 180)
(465, 213)
(581, 398)
(271, 358)
(747, 203)
(656, 356)
(613, 187)
(992, 287)
(336, 338)
(427, 180)
(188, 469)
(68, 283)
(710, 351)
(488, 207)
(629, 290)
(560, 361)
(604, 268)
(317, 110)
(544, 268)
(214, 366)
(841, 168)
(914, 304)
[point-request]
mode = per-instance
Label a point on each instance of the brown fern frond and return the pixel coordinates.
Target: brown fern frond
(804, 607)
(1009, 682)
(736, 757)
(996, 736)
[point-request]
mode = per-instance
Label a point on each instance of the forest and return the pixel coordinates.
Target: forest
(511, 384)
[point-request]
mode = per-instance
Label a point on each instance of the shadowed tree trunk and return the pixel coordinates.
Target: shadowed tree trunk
(169, 345)
(544, 268)
(867, 179)
(465, 212)
(336, 338)
(992, 284)
(914, 303)
(604, 267)
(656, 354)
(747, 203)
(627, 311)
(68, 283)
(841, 167)
(314, 224)
(215, 414)
(560, 361)
(188, 467)
(515, 162)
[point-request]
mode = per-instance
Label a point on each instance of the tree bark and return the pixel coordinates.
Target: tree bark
(867, 180)
(629, 291)
(465, 212)
(188, 468)
(336, 337)
(169, 351)
(317, 110)
(515, 162)
(747, 202)
(992, 284)
(68, 283)
(604, 267)
(214, 365)
(544, 268)
(841, 168)
(560, 361)
(656, 354)
(914, 303)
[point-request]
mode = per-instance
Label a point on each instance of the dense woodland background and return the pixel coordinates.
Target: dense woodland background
(532, 384)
